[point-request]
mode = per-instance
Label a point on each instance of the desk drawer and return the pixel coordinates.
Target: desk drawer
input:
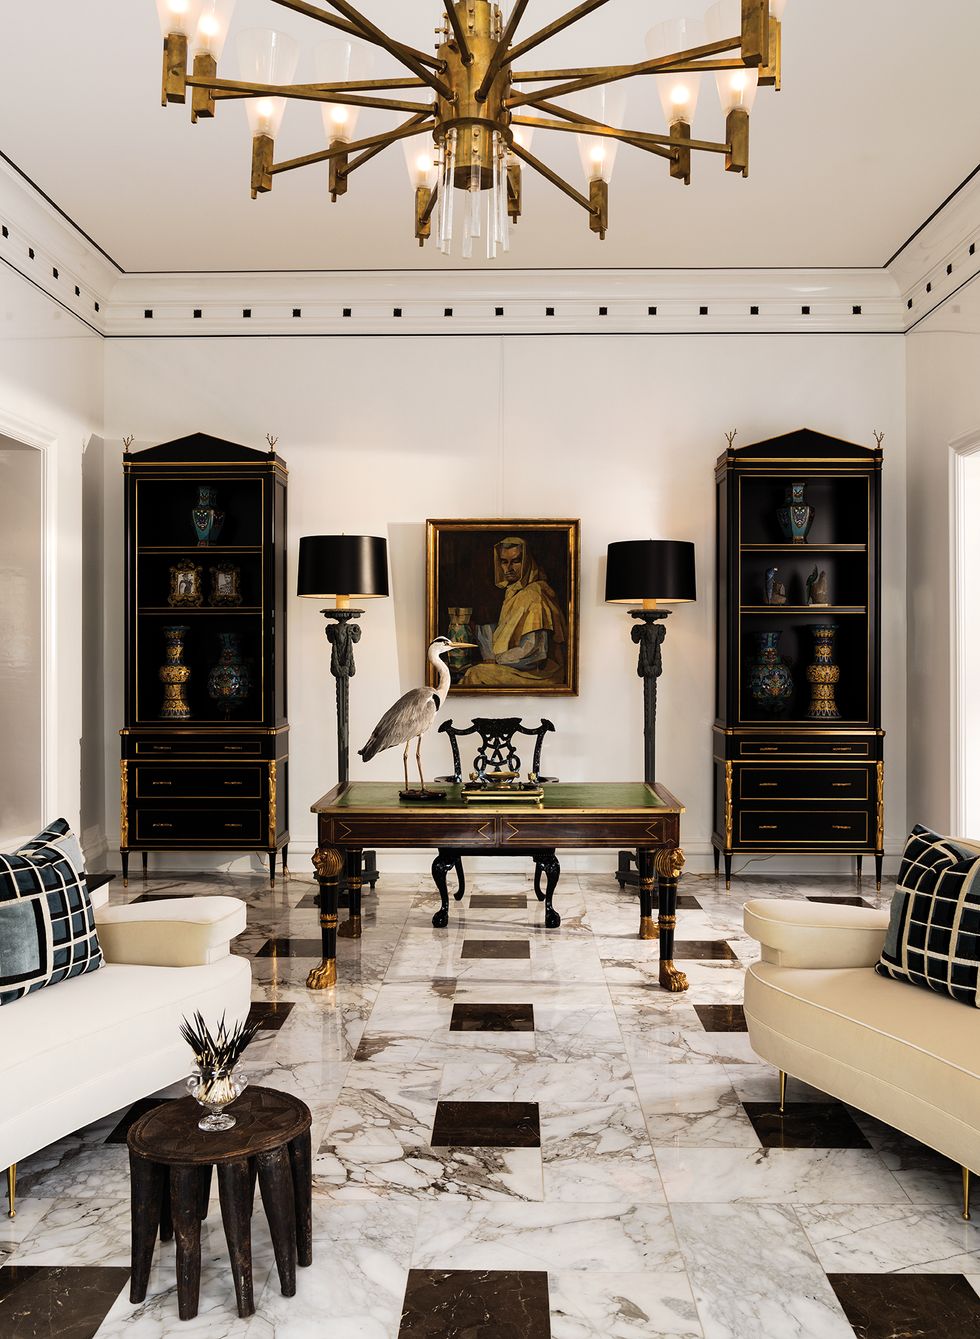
(221, 827)
(198, 783)
(803, 783)
(803, 748)
(803, 827)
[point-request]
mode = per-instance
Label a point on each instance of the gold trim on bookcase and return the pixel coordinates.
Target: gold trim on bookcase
(124, 802)
(273, 786)
(729, 809)
(880, 832)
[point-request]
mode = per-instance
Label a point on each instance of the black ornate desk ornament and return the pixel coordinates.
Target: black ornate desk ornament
(340, 568)
(647, 573)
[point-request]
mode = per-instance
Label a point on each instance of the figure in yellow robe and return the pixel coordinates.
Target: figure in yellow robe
(526, 647)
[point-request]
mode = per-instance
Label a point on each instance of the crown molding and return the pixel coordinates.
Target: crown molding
(506, 302)
(941, 257)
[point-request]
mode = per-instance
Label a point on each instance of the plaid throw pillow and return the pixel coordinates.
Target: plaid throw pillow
(47, 926)
(933, 937)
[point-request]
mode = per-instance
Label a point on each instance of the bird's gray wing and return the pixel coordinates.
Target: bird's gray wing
(397, 724)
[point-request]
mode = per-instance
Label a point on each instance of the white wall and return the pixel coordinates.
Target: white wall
(51, 388)
(621, 431)
(943, 406)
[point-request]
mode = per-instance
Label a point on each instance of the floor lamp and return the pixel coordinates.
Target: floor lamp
(648, 573)
(341, 568)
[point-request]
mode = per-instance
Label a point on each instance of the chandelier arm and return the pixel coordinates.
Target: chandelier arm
(612, 73)
(312, 12)
(465, 54)
(582, 125)
(426, 213)
(324, 155)
(542, 35)
(686, 67)
(553, 177)
(223, 94)
(306, 93)
(406, 55)
(502, 48)
(373, 152)
(639, 138)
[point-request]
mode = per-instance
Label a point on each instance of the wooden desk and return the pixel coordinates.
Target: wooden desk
(603, 814)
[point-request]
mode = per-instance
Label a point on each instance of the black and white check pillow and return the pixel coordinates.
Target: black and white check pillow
(47, 926)
(933, 937)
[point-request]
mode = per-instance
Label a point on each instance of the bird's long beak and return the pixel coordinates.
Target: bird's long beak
(474, 645)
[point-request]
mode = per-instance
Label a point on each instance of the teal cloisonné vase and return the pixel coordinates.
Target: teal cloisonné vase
(796, 515)
(770, 682)
(229, 682)
(208, 520)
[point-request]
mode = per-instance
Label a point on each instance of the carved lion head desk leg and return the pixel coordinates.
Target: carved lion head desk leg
(328, 862)
(668, 863)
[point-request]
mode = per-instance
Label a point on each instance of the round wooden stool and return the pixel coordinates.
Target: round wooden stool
(270, 1141)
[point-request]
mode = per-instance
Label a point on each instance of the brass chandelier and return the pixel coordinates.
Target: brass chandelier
(477, 107)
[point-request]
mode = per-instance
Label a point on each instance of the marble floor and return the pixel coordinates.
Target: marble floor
(518, 1134)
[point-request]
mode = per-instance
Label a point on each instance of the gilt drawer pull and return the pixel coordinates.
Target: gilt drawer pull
(163, 825)
(841, 827)
(162, 783)
(161, 748)
(234, 783)
(767, 827)
(234, 748)
(841, 748)
(842, 785)
(233, 825)
(767, 783)
(769, 748)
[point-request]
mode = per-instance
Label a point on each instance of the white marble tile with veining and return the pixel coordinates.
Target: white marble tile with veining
(343, 1174)
(900, 1239)
(692, 1106)
(600, 1079)
(776, 1176)
(591, 1305)
(596, 1154)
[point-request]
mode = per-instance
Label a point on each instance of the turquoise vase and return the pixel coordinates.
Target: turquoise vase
(796, 515)
(208, 520)
(770, 682)
(229, 682)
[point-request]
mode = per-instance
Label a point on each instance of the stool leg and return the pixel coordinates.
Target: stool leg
(166, 1217)
(146, 1181)
(234, 1191)
(204, 1192)
(301, 1165)
(184, 1190)
(276, 1186)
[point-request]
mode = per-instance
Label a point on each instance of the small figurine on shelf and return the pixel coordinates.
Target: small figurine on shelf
(775, 590)
(816, 588)
(795, 516)
(208, 520)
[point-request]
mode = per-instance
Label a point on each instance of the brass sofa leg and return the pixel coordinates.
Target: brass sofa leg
(782, 1092)
(966, 1193)
(12, 1189)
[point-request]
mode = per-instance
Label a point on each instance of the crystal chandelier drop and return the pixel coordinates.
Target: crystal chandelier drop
(469, 128)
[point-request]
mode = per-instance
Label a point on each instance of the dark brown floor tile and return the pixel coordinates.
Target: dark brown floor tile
(492, 1018)
(908, 1306)
(476, 1304)
(486, 1125)
(57, 1301)
(290, 948)
(721, 1017)
(496, 948)
(158, 897)
(805, 1125)
(502, 901)
(685, 902)
(717, 950)
(843, 901)
(138, 1109)
(270, 1014)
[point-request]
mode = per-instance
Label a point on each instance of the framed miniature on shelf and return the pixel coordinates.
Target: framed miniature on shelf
(185, 585)
(510, 586)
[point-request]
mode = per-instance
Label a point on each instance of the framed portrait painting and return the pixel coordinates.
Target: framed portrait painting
(511, 587)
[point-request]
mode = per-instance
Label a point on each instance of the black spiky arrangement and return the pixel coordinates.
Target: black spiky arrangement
(225, 1048)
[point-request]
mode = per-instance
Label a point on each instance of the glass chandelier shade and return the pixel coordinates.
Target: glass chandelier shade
(736, 88)
(211, 32)
(606, 106)
(178, 16)
(420, 161)
(339, 61)
(266, 57)
(678, 92)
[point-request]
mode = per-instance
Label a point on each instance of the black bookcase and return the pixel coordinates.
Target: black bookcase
(205, 758)
(786, 781)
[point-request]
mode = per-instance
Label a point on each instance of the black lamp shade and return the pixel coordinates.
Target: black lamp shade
(331, 565)
(650, 569)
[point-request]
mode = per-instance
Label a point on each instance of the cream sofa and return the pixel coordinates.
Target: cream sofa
(818, 1011)
(77, 1051)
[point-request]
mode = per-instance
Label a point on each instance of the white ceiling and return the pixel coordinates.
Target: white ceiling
(875, 126)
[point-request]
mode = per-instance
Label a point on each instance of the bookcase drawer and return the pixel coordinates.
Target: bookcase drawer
(803, 783)
(197, 827)
(804, 748)
(193, 783)
(803, 827)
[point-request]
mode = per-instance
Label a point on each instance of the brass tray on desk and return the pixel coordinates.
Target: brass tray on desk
(505, 786)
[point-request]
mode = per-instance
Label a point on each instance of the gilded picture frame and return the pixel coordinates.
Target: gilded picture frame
(512, 587)
(185, 585)
(226, 587)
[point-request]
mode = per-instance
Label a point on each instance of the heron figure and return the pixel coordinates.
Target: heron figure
(415, 711)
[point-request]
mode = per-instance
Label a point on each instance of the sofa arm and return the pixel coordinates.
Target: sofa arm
(816, 934)
(178, 932)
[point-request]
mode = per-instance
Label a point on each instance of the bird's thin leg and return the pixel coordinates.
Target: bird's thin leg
(405, 761)
(418, 760)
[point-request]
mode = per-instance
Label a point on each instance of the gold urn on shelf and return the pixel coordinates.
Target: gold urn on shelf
(823, 675)
(174, 675)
